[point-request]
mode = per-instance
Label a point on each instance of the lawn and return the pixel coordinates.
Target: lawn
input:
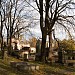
(45, 69)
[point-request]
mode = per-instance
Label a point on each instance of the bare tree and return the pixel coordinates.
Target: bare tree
(2, 19)
(57, 12)
(13, 18)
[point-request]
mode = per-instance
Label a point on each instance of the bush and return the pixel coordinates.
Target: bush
(15, 54)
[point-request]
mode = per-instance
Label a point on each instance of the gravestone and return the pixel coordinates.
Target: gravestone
(24, 66)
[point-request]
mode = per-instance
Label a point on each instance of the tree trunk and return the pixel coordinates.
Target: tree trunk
(10, 29)
(2, 39)
(7, 36)
(59, 54)
(18, 35)
(41, 27)
(8, 45)
(43, 46)
(50, 47)
(2, 50)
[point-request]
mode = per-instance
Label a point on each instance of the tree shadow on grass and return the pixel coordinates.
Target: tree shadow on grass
(8, 70)
(59, 69)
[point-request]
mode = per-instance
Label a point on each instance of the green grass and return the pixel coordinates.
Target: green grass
(6, 69)
(45, 69)
(56, 69)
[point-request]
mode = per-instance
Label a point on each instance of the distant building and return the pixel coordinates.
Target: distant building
(32, 53)
(33, 50)
(24, 50)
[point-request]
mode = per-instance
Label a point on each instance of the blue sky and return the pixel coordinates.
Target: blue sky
(60, 33)
(32, 15)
